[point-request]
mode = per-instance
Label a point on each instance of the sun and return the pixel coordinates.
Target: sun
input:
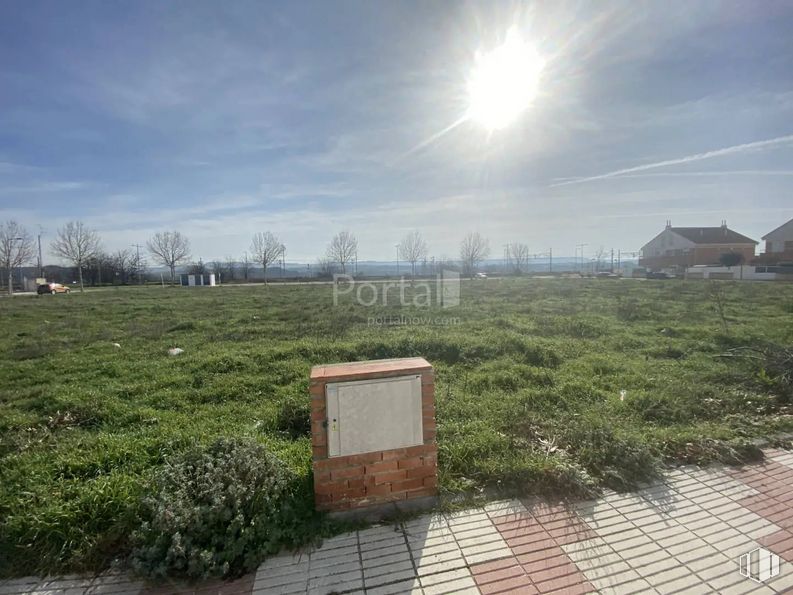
(503, 82)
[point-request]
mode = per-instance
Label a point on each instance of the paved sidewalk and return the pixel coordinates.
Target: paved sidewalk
(684, 535)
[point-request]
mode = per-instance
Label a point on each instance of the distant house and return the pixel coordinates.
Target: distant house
(681, 247)
(779, 244)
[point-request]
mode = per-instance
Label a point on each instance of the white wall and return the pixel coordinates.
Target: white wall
(664, 242)
(742, 272)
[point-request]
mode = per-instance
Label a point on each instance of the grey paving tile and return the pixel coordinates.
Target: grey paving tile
(378, 571)
(411, 586)
(347, 581)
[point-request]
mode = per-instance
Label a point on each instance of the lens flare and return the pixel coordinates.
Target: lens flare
(503, 82)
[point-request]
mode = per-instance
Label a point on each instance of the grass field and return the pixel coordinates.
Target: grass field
(528, 390)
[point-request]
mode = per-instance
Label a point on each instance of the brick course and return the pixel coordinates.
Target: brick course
(356, 481)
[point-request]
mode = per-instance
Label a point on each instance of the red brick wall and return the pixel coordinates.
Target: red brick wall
(356, 481)
(701, 254)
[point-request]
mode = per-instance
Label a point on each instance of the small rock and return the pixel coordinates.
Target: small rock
(175, 351)
(117, 345)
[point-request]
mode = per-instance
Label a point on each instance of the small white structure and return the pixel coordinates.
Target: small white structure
(198, 280)
(741, 272)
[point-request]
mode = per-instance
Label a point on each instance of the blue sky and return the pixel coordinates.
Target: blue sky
(223, 119)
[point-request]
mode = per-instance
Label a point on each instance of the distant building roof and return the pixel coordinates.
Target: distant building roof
(777, 229)
(712, 235)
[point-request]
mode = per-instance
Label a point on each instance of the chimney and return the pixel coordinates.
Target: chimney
(724, 224)
(668, 223)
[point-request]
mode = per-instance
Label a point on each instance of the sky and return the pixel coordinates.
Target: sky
(222, 119)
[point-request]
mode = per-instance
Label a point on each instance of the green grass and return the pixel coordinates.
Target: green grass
(528, 390)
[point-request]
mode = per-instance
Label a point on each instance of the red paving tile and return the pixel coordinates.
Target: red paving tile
(773, 480)
(502, 576)
(556, 572)
(536, 538)
(513, 585)
(515, 538)
(532, 564)
(567, 581)
(575, 531)
(498, 575)
(486, 567)
(535, 547)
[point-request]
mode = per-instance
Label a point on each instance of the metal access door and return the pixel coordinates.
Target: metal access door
(372, 415)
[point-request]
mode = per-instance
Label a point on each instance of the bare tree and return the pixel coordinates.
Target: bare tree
(413, 248)
(343, 248)
(231, 267)
(169, 248)
(518, 256)
(77, 244)
(197, 268)
(324, 267)
(473, 250)
(267, 249)
(100, 265)
(124, 265)
(16, 248)
(219, 268)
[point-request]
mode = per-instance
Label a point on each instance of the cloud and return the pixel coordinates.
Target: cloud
(743, 148)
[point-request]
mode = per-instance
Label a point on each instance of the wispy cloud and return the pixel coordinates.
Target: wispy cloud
(743, 148)
(711, 174)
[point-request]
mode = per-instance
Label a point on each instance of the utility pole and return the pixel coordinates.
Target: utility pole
(550, 260)
(397, 255)
(41, 262)
(577, 248)
(612, 260)
(137, 261)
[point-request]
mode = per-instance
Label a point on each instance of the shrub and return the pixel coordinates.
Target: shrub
(294, 418)
(215, 512)
(620, 461)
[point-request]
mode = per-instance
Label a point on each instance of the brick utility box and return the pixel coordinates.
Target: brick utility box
(373, 436)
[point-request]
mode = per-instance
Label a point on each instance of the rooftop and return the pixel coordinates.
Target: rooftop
(712, 235)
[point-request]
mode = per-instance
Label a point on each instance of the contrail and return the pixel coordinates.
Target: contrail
(687, 159)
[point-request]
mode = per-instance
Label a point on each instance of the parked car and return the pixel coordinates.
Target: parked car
(658, 275)
(52, 288)
(481, 276)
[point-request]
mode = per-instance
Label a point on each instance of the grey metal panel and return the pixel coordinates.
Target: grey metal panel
(371, 415)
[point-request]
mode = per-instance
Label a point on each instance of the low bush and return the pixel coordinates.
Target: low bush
(294, 417)
(216, 512)
(618, 460)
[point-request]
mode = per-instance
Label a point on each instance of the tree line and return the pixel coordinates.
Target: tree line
(82, 248)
